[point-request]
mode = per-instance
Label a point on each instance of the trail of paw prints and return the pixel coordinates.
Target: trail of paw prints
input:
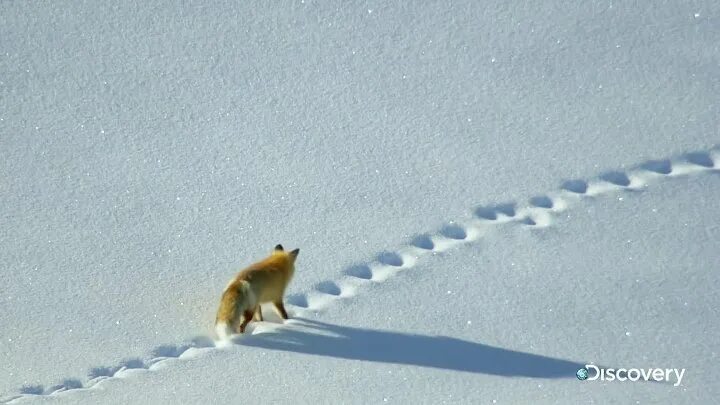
(536, 213)
(160, 357)
(539, 211)
(383, 266)
(641, 176)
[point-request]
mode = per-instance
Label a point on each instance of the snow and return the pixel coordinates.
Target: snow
(486, 196)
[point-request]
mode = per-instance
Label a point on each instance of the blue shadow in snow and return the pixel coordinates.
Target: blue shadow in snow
(418, 350)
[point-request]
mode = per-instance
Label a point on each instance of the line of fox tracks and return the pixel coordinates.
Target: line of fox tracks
(538, 212)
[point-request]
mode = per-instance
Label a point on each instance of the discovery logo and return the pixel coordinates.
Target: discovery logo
(630, 374)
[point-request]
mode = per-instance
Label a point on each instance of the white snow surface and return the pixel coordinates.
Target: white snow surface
(487, 196)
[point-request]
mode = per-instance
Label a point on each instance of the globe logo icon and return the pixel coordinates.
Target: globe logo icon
(582, 374)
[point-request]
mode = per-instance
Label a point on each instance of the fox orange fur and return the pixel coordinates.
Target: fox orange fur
(261, 282)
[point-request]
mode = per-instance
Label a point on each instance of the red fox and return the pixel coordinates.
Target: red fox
(264, 281)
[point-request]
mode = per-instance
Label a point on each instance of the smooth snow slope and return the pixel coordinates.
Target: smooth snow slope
(147, 151)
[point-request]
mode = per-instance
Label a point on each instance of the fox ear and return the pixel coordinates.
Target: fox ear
(279, 247)
(294, 253)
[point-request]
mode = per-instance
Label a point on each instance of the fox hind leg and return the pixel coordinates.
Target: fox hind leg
(258, 313)
(247, 317)
(280, 307)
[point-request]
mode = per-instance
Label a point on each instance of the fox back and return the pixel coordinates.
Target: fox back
(269, 277)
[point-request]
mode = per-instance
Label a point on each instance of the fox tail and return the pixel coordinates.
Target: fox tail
(235, 301)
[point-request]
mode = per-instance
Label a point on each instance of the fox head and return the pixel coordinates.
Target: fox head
(291, 254)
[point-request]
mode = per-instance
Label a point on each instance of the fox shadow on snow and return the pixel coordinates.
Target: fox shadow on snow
(402, 348)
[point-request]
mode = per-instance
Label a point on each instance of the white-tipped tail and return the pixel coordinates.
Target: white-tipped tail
(243, 300)
(223, 331)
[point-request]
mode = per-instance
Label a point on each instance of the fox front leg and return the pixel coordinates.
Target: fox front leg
(280, 306)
